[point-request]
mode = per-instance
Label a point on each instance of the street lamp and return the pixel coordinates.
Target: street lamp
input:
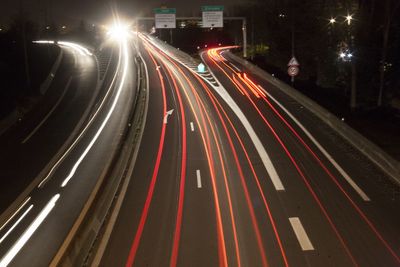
(118, 31)
(349, 18)
(332, 21)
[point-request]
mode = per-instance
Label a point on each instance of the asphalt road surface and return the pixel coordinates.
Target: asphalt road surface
(230, 172)
(239, 174)
(86, 126)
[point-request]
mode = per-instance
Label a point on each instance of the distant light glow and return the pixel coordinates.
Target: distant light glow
(118, 31)
(346, 55)
(332, 21)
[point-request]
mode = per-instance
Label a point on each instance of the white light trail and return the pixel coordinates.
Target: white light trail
(15, 213)
(80, 49)
(29, 232)
(96, 136)
(15, 224)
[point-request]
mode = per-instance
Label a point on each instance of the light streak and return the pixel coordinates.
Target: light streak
(15, 213)
(15, 224)
(29, 232)
(104, 123)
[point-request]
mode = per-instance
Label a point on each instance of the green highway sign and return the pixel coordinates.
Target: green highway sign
(213, 16)
(165, 10)
(165, 18)
(212, 8)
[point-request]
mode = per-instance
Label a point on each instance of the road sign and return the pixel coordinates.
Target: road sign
(293, 62)
(213, 16)
(165, 18)
(201, 68)
(293, 71)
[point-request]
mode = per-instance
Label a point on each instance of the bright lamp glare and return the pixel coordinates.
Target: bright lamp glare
(119, 32)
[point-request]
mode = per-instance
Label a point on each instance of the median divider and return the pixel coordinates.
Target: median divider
(79, 244)
(385, 162)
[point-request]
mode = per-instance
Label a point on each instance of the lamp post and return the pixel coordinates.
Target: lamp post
(346, 54)
(353, 92)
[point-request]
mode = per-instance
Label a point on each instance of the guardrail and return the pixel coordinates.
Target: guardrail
(385, 162)
(77, 247)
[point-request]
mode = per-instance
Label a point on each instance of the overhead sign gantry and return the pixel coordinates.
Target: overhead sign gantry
(165, 18)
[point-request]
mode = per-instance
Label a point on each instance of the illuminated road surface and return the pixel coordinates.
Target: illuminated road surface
(230, 172)
(33, 235)
(240, 175)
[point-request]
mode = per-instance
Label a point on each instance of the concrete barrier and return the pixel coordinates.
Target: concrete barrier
(385, 162)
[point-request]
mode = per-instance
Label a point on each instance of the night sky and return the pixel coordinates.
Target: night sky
(98, 11)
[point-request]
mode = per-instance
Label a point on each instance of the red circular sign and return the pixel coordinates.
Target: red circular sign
(293, 71)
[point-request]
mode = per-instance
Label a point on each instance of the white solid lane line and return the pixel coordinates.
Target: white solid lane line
(15, 213)
(347, 177)
(266, 160)
(198, 174)
(29, 232)
(15, 224)
(192, 126)
(301, 234)
(50, 112)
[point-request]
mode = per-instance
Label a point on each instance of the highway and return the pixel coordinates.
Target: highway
(62, 153)
(232, 172)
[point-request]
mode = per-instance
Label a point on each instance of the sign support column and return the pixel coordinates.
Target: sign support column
(244, 30)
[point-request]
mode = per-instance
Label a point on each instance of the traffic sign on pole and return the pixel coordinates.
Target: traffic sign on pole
(293, 71)
(213, 16)
(293, 62)
(165, 18)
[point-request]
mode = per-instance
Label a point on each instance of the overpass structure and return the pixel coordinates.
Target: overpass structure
(243, 19)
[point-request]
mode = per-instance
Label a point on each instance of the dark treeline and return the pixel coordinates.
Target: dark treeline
(372, 36)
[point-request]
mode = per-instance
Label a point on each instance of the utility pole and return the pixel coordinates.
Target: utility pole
(24, 47)
(293, 35)
(252, 33)
(244, 29)
(389, 13)
(353, 91)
